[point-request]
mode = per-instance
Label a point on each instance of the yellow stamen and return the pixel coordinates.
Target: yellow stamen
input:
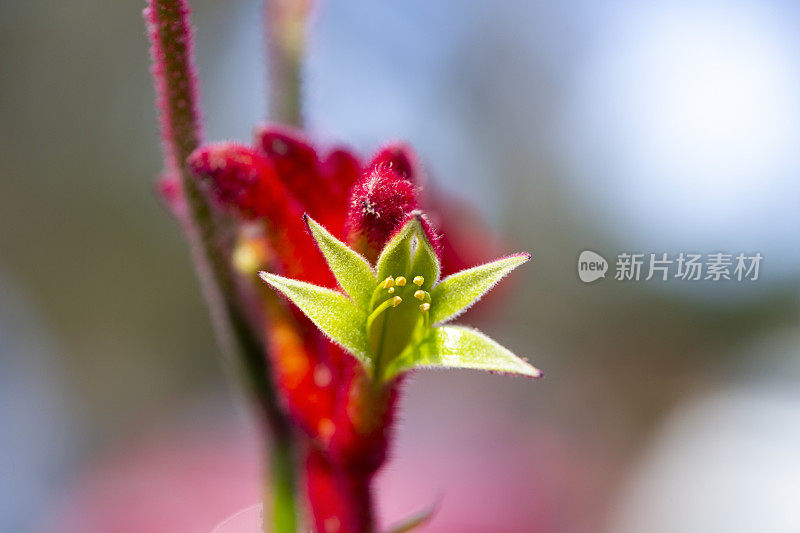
(424, 307)
(391, 290)
(391, 302)
(388, 283)
(419, 280)
(401, 281)
(419, 295)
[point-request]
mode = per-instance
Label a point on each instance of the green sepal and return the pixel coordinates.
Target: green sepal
(333, 313)
(457, 292)
(395, 257)
(460, 347)
(352, 271)
(425, 262)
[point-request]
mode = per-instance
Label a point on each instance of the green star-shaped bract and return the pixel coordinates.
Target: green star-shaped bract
(393, 317)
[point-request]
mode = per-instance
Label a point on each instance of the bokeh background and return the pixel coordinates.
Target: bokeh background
(609, 126)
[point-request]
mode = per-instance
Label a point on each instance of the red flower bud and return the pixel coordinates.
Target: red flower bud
(401, 158)
(379, 202)
(240, 178)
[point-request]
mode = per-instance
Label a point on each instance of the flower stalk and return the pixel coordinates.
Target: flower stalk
(176, 84)
(285, 25)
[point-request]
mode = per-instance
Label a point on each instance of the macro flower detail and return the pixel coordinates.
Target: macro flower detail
(393, 317)
(324, 369)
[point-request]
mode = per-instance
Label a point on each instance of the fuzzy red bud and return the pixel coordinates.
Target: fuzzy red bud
(379, 202)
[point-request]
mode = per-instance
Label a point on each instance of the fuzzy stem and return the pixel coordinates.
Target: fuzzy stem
(285, 28)
(176, 86)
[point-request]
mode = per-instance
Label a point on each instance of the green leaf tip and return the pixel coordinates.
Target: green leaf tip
(462, 347)
(351, 270)
(333, 313)
(458, 292)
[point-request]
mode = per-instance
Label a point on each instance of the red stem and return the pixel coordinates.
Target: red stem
(176, 84)
(340, 499)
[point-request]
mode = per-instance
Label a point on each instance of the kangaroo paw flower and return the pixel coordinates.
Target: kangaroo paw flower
(392, 317)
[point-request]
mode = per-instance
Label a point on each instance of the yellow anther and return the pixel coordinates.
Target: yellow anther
(401, 281)
(419, 280)
(388, 283)
(391, 302)
(424, 307)
(391, 290)
(419, 295)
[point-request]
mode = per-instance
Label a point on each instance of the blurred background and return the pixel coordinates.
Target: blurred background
(608, 126)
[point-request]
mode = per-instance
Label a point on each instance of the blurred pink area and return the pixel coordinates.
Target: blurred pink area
(187, 479)
(200, 478)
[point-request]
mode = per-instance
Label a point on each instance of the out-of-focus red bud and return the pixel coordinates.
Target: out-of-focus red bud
(240, 178)
(245, 181)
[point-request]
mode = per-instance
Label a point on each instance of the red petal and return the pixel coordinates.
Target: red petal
(304, 372)
(340, 170)
(320, 186)
(295, 162)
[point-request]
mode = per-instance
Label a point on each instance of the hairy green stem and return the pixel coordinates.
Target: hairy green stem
(173, 68)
